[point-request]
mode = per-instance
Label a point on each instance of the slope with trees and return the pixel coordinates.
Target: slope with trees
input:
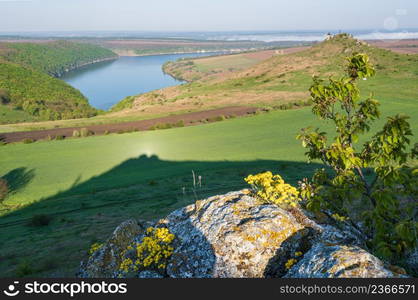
(28, 89)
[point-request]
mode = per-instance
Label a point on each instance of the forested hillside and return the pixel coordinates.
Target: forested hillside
(28, 90)
(56, 58)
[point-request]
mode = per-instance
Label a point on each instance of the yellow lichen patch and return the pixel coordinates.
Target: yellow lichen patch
(252, 238)
(298, 253)
(246, 191)
(272, 189)
(240, 209)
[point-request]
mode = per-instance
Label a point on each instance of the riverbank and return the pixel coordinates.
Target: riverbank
(78, 66)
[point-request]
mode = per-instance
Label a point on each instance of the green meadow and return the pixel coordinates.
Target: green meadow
(66, 195)
(87, 186)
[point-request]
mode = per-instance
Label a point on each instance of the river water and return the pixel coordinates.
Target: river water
(106, 83)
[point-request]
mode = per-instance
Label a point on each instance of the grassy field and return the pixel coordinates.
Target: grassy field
(10, 113)
(88, 186)
(85, 187)
(283, 80)
(280, 82)
(196, 69)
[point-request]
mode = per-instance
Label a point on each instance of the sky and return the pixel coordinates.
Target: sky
(205, 15)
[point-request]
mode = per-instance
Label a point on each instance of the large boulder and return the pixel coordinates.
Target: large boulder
(234, 235)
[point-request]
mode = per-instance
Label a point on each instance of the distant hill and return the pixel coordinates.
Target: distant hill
(280, 82)
(28, 89)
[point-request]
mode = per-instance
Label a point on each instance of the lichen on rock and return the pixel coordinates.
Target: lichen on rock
(339, 261)
(234, 235)
(105, 261)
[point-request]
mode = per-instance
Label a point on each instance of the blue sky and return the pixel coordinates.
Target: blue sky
(205, 15)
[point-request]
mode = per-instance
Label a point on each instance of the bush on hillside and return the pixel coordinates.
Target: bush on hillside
(28, 141)
(84, 132)
(76, 133)
(384, 197)
(4, 189)
(40, 220)
(4, 96)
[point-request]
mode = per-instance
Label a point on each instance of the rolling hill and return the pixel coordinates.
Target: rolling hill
(29, 90)
(280, 82)
(84, 187)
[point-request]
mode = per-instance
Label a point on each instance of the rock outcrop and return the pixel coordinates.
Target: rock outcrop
(103, 262)
(234, 235)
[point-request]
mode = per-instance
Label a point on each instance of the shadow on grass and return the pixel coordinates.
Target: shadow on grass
(159, 178)
(18, 178)
(145, 187)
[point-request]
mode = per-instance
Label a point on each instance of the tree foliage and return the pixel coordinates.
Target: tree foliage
(387, 196)
(41, 95)
(55, 58)
(26, 81)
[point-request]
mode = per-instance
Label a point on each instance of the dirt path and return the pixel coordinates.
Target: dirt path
(193, 118)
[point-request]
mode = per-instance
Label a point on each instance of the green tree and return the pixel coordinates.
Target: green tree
(387, 196)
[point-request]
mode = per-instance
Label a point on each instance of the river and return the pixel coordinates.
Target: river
(106, 83)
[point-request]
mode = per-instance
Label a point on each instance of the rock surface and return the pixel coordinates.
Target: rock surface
(334, 261)
(103, 262)
(234, 235)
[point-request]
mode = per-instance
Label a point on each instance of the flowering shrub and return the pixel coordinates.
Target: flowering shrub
(153, 251)
(272, 189)
(95, 247)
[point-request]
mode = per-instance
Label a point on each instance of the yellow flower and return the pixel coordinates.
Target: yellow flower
(290, 263)
(272, 189)
(95, 247)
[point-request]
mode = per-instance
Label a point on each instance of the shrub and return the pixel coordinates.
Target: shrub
(4, 189)
(4, 96)
(271, 188)
(27, 141)
(84, 132)
(216, 119)
(153, 252)
(40, 220)
(390, 224)
(94, 247)
(152, 182)
(24, 269)
(76, 133)
(106, 132)
(59, 137)
(161, 126)
(179, 124)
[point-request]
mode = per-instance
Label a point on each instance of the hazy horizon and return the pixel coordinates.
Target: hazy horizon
(205, 15)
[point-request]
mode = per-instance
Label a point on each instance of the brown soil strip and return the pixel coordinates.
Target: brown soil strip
(193, 118)
(399, 46)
